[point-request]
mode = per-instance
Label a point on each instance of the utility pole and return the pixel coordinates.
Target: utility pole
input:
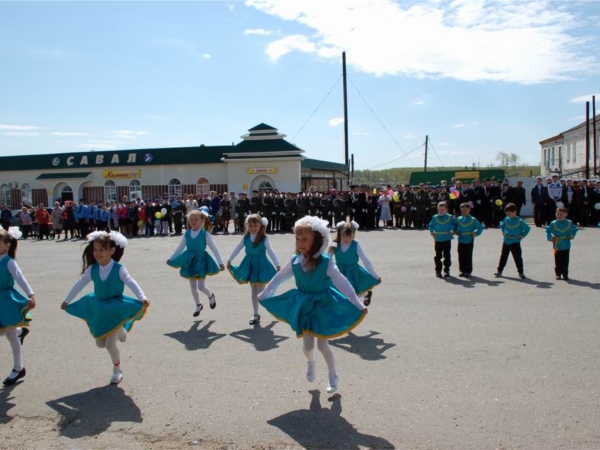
(346, 158)
(426, 144)
(594, 134)
(587, 140)
(352, 168)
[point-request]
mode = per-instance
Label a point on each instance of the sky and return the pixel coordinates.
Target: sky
(477, 77)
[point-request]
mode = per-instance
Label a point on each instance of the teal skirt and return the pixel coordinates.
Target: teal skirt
(326, 314)
(13, 309)
(104, 317)
(360, 279)
(194, 264)
(253, 269)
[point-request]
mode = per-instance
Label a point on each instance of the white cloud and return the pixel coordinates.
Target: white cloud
(19, 127)
(281, 47)
(358, 133)
(418, 102)
(487, 40)
(207, 56)
(67, 133)
(231, 7)
(258, 31)
(458, 125)
(578, 118)
(585, 98)
(336, 121)
(456, 154)
(157, 117)
(21, 133)
(127, 134)
(410, 136)
(100, 145)
(474, 123)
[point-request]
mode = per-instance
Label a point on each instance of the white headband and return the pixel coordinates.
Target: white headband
(355, 226)
(118, 238)
(264, 221)
(13, 232)
(318, 225)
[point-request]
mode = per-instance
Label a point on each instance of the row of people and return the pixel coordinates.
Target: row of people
(315, 309)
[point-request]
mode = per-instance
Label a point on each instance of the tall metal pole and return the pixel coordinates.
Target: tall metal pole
(352, 168)
(594, 134)
(426, 144)
(346, 159)
(587, 140)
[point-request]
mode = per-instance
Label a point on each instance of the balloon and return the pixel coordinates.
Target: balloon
(597, 206)
(374, 191)
(396, 197)
(457, 194)
(559, 204)
(163, 211)
(157, 215)
(470, 204)
(453, 189)
(452, 197)
(403, 209)
(140, 223)
(498, 202)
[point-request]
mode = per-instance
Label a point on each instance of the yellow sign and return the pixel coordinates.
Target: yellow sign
(473, 174)
(245, 187)
(122, 174)
(253, 170)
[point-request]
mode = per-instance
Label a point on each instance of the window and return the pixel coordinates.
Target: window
(265, 185)
(553, 159)
(5, 194)
(202, 186)
(135, 190)
(575, 151)
(26, 196)
(568, 152)
(174, 188)
(110, 191)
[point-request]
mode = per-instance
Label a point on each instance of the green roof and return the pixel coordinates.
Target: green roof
(62, 175)
(322, 165)
(267, 145)
(263, 127)
(469, 175)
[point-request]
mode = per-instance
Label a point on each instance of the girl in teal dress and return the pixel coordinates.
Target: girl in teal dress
(323, 305)
(255, 268)
(347, 253)
(13, 305)
(108, 313)
(192, 259)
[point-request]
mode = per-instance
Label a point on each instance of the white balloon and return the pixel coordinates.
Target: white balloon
(163, 211)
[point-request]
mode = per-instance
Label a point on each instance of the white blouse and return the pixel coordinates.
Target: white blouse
(339, 281)
(209, 241)
(16, 273)
(240, 246)
(85, 279)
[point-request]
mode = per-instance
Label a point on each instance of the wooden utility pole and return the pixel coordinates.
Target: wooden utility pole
(426, 145)
(587, 140)
(346, 157)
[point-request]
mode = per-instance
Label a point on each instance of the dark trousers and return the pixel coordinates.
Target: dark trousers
(465, 258)
(561, 262)
(43, 231)
(177, 223)
(515, 249)
(539, 214)
(442, 250)
(83, 228)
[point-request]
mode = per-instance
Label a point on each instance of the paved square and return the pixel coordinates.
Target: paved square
(486, 364)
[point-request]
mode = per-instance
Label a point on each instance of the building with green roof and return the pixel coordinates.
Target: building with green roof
(262, 160)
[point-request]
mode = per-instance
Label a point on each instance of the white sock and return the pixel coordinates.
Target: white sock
(256, 289)
(13, 338)
(113, 350)
(308, 346)
(325, 349)
(203, 288)
(195, 293)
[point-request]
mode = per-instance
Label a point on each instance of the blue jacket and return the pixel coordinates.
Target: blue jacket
(539, 196)
(443, 227)
(465, 227)
(103, 216)
(80, 212)
(563, 231)
(514, 230)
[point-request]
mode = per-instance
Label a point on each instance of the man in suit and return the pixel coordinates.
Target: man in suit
(539, 200)
(519, 196)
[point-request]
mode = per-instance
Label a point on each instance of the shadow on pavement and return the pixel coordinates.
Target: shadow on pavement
(583, 283)
(472, 282)
(263, 339)
(537, 284)
(5, 404)
(197, 338)
(321, 428)
(367, 347)
(91, 413)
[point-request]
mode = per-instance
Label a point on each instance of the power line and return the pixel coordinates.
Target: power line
(436, 154)
(396, 159)
(382, 124)
(320, 104)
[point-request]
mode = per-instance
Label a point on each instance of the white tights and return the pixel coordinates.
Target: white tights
(198, 286)
(15, 344)
(110, 343)
(256, 289)
(308, 342)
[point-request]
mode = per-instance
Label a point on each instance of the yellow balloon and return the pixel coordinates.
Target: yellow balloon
(157, 215)
(452, 197)
(140, 223)
(396, 197)
(374, 191)
(498, 202)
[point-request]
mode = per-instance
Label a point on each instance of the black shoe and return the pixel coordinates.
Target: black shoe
(10, 381)
(446, 274)
(558, 277)
(522, 275)
(467, 275)
(255, 320)
(461, 275)
(197, 313)
(438, 274)
(566, 278)
(367, 299)
(213, 304)
(498, 274)
(24, 333)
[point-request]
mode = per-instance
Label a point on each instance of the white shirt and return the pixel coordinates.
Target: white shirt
(16, 273)
(85, 279)
(339, 281)
(344, 247)
(209, 241)
(240, 246)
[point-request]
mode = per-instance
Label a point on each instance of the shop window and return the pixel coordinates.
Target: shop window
(110, 191)
(4, 194)
(174, 188)
(202, 186)
(26, 194)
(135, 190)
